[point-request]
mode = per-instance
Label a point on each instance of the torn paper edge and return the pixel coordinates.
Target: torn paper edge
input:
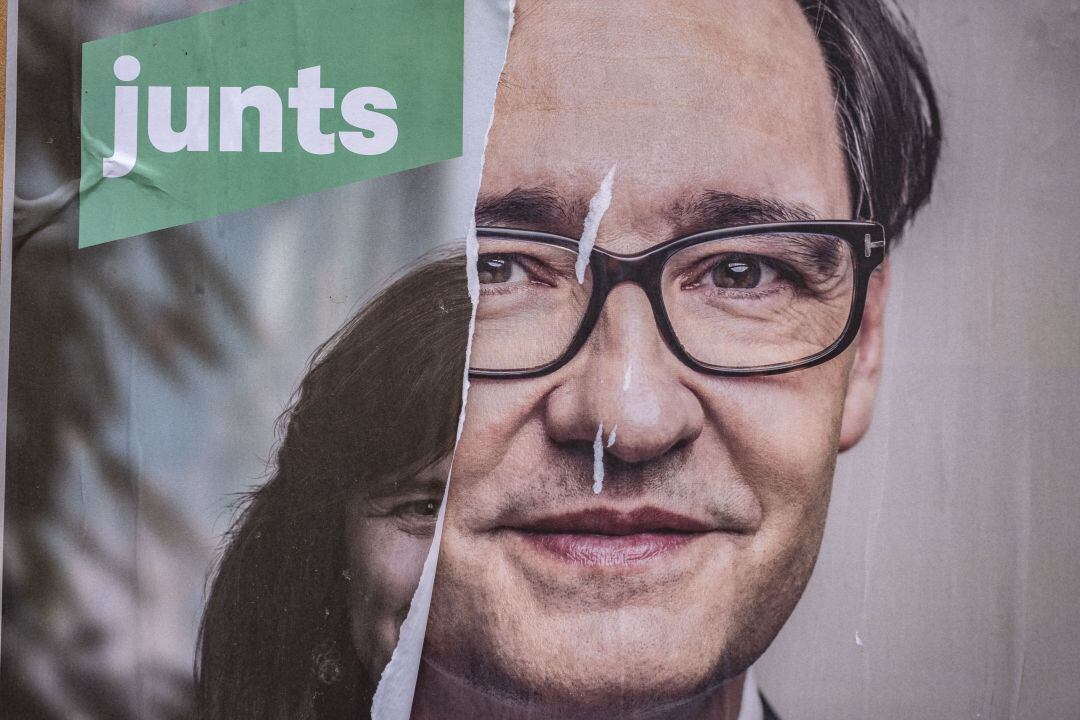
(394, 695)
(6, 241)
(598, 461)
(598, 207)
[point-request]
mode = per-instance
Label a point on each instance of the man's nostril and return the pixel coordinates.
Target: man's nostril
(577, 450)
(631, 460)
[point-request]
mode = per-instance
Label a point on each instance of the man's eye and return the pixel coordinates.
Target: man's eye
(496, 269)
(422, 508)
(741, 272)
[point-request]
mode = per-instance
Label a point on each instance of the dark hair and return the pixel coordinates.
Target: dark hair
(886, 107)
(381, 396)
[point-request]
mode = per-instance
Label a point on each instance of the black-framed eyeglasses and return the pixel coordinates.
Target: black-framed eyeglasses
(740, 301)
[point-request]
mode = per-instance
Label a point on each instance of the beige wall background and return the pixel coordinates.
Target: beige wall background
(949, 581)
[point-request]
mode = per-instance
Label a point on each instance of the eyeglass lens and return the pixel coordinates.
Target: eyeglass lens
(735, 302)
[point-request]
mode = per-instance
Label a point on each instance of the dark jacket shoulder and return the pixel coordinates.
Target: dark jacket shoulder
(770, 714)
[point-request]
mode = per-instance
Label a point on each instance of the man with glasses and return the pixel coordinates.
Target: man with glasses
(681, 238)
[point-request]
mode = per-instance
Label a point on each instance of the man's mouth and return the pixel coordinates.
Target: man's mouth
(605, 536)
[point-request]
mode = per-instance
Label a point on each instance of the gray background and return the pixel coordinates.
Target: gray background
(949, 582)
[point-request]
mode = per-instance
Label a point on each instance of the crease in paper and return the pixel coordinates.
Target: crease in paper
(394, 695)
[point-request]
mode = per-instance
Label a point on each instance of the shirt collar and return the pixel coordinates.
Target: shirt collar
(751, 707)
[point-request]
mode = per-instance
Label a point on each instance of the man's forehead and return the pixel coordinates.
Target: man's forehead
(551, 34)
(684, 98)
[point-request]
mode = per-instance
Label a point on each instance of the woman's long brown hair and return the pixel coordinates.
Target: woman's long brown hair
(382, 396)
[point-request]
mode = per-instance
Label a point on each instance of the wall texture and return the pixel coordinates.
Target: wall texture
(948, 582)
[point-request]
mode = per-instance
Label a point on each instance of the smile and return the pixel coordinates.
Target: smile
(604, 537)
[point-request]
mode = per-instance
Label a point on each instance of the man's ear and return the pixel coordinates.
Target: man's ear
(866, 368)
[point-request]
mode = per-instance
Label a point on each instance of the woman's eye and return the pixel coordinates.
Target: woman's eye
(423, 508)
(496, 269)
(741, 272)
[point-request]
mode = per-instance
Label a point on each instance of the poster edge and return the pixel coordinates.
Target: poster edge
(6, 239)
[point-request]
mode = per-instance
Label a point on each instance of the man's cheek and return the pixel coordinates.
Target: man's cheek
(495, 414)
(781, 436)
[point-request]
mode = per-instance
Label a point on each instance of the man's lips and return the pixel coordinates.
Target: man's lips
(585, 549)
(604, 536)
(609, 521)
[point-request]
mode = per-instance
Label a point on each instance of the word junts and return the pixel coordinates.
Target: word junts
(375, 133)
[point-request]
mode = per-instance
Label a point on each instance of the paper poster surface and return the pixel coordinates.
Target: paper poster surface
(187, 364)
(540, 360)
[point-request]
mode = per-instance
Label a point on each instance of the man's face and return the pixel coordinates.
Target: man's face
(679, 573)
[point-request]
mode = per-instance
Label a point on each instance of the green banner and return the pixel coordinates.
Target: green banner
(256, 103)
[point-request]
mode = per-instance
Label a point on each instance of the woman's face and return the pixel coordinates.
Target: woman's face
(388, 529)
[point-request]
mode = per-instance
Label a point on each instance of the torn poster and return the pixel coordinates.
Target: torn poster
(454, 359)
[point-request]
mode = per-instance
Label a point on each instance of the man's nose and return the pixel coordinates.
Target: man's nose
(626, 381)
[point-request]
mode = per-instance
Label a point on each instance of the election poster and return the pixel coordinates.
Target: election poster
(536, 360)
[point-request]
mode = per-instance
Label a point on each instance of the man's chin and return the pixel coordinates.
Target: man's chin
(584, 624)
(570, 693)
(631, 663)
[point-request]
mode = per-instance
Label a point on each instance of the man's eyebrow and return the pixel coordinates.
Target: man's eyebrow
(712, 209)
(543, 208)
(538, 207)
